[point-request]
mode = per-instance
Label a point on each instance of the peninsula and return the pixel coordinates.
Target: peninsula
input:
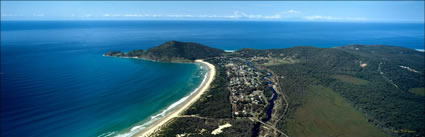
(353, 90)
(172, 51)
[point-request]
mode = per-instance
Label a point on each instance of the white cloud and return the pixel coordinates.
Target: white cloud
(111, 15)
(239, 14)
(181, 16)
(277, 16)
(293, 11)
(143, 15)
(235, 15)
(330, 18)
(19, 15)
(9, 15)
(285, 15)
(316, 17)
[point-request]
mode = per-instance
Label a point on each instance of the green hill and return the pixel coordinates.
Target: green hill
(181, 50)
(375, 80)
(354, 90)
(174, 51)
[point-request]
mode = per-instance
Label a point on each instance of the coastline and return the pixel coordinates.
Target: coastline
(147, 59)
(182, 107)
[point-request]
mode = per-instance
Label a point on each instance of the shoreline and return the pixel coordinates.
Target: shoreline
(174, 109)
(146, 59)
(155, 126)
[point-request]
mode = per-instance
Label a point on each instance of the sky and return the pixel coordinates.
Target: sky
(333, 11)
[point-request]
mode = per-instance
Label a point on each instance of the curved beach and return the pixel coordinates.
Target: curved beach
(185, 105)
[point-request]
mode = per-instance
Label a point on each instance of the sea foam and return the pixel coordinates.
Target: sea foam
(134, 130)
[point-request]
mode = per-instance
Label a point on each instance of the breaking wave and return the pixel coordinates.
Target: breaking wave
(136, 129)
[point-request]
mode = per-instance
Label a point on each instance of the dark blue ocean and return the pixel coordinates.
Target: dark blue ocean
(56, 83)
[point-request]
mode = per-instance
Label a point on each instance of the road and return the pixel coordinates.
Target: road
(385, 77)
(269, 126)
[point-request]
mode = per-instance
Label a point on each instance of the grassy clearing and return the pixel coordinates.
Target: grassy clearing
(350, 79)
(418, 91)
(278, 61)
(327, 114)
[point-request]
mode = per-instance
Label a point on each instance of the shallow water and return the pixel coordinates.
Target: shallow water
(55, 81)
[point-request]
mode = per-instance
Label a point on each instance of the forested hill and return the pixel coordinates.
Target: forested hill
(187, 50)
(172, 51)
(385, 83)
(404, 67)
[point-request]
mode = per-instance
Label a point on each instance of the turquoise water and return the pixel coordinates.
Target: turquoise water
(56, 83)
(81, 93)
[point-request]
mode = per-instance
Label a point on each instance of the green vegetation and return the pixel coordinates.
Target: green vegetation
(384, 100)
(135, 53)
(418, 91)
(186, 50)
(350, 79)
(210, 111)
(385, 105)
(115, 53)
(277, 61)
(215, 102)
(201, 127)
(364, 90)
(172, 51)
(392, 59)
(325, 113)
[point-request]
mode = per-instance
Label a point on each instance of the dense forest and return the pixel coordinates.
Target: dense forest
(202, 127)
(211, 110)
(384, 99)
(215, 102)
(174, 51)
(376, 81)
(186, 50)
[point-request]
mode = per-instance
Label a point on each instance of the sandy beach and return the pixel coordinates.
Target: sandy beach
(185, 105)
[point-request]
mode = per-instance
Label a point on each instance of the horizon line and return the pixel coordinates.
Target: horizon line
(315, 21)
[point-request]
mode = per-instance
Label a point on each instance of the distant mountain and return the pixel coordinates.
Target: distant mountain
(174, 51)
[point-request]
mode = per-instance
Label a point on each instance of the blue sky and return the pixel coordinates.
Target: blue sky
(337, 11)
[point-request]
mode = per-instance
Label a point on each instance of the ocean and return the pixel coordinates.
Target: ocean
(55, 81)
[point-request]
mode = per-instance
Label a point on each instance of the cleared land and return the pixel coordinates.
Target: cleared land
(325, 113)
(350, 79)
(418, 91)
(277, 61)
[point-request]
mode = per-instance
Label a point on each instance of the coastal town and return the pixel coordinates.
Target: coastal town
(246, 86)
(164, 68)
(255, 92)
